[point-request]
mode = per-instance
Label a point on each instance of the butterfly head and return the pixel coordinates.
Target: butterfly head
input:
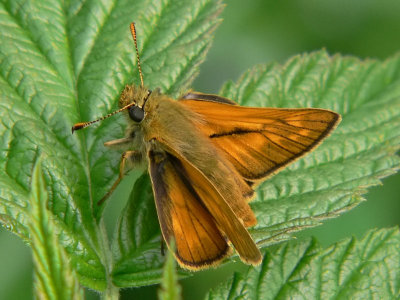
(135, 98)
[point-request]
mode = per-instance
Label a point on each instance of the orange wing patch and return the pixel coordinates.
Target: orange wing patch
(260, 141)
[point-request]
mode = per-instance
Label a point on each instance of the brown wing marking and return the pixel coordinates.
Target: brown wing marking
(183, 217)
(206, 97)
(260, 141)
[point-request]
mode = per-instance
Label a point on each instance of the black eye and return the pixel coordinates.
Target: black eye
(136, 113)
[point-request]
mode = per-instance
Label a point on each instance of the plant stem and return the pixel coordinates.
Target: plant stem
(111, 293)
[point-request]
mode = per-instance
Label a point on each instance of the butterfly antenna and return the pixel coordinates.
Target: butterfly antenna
(82, 125)
(133, 32)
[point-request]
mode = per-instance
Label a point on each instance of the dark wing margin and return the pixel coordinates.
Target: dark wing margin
(182, 216)
(206, 97)
(259, 153)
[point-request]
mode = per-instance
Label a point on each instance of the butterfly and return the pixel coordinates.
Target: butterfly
(205, 155)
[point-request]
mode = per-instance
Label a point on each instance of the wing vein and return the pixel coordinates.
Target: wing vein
(286, 138)
(183, 232)
(279, 146)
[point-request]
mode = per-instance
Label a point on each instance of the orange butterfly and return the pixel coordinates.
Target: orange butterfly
(205, 154)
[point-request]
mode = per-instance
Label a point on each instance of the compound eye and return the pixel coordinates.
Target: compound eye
(136, 113)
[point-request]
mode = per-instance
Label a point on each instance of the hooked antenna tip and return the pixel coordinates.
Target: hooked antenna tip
(78, 126)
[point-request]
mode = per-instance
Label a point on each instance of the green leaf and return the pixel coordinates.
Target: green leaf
(170, 289)
(362, 150)
(351, 269)
(54, 278)
(65, 62)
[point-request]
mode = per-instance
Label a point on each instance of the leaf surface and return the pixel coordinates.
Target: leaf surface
(53, 276)
(351, 269)
(66, 62)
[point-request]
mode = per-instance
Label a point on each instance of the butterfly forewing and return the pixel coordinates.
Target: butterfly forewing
(207, 197)
(260, 141)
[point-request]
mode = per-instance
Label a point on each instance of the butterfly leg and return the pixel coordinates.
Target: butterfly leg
(132, 156)
(162, 247)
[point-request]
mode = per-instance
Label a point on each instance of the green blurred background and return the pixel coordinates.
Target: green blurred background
(260, 31)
